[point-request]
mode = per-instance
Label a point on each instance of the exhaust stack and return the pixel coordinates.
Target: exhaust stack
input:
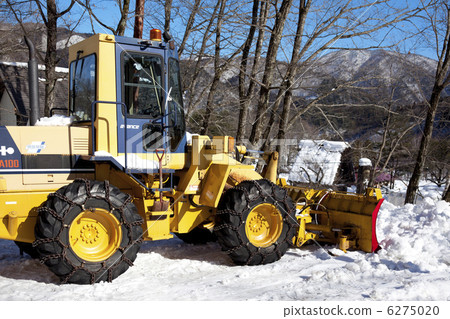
(33, 83)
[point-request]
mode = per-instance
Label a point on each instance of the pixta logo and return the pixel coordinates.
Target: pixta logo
(4, 151)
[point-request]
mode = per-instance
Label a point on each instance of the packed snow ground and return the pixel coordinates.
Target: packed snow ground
(414, 264)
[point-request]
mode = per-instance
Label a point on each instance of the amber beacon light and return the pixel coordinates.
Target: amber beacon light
(155, 35)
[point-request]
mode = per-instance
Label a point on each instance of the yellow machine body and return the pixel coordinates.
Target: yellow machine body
(183, 188)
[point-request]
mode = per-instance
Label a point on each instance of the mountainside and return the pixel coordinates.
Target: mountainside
(363, 84)
(410, 74)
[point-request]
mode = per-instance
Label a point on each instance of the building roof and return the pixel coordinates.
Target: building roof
(317, 162)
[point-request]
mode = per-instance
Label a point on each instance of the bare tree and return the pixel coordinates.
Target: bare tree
(318, 28)
(124, 10)
(217, 68)
(189, 25)
(49, 14)
(271, 60)
(259, 19)
(167, 13)
(438, 17)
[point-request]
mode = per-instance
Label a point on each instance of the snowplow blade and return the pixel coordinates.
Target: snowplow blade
(346, 219)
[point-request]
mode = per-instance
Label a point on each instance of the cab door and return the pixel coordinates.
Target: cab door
(140, 120)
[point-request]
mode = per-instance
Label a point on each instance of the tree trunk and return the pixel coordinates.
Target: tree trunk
(122, 25)
(139, 19)
(413, 185)
(244, 100)
(50, 57)
(197, 68)
(167, 11)
(274, 43)
(189, 25)
(290, 78)
(441, 81)
(446, 195)
(217, 71)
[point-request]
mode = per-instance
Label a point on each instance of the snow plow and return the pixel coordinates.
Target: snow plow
(83, 197)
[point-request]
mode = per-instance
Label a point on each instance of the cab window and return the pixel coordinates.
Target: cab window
(82, 87)
(143, 94)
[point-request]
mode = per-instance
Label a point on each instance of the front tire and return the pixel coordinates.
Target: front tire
(255, 222)
(88, 231)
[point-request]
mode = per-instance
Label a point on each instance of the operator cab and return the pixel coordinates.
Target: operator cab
(130, 88)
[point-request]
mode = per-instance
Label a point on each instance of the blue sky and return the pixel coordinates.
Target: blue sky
(109, 13)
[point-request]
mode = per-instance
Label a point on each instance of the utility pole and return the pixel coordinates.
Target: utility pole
(139, 19)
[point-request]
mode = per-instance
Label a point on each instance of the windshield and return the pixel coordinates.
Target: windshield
(143, 84)
(82, 87)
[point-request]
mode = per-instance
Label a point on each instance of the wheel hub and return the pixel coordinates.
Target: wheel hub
(89, 233)
(263, 225)
(258, 224)
(94, 235)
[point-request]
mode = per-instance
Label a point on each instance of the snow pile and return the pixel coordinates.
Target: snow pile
(55, 120)
(317, 161)
(364, 162)
(133, 161)
(416, 237)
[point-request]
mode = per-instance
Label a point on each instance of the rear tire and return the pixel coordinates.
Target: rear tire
(87, 232)
(255, 222)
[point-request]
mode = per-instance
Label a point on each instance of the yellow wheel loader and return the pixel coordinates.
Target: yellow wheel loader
(83, 197)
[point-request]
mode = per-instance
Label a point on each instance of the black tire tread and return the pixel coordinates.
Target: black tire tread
(232, 211)
(61, 207)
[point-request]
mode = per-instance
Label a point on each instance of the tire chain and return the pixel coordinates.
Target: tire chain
(291, 222)
(56, 239)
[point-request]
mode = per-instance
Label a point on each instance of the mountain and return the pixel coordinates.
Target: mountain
(362, 84)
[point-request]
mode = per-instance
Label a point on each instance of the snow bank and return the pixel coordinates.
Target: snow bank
(415, 237)
(317, 161)
(55, 120)
(427, 189)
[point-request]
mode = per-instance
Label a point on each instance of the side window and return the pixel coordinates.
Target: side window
(82, 87)
(143, 94)
(176, 112)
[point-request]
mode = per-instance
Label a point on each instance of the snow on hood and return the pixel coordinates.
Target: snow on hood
(189, 137)
(317, 161)
(55, 120)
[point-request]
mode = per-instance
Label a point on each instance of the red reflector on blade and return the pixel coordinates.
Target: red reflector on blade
(375, 245)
